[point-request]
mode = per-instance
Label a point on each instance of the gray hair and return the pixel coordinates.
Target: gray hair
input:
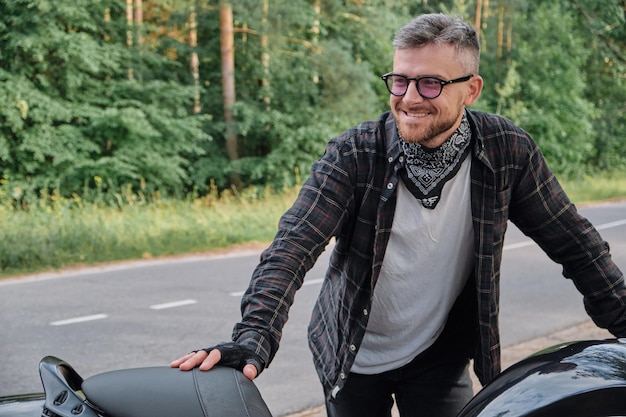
(437, 29)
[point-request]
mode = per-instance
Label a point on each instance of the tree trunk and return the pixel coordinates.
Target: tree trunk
(265, 55)
(317, 8)
(139, 21)
(129, 33)
(477, 18)
(228, 81)
(194, 62)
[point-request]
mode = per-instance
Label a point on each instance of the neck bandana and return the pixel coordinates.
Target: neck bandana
(426, 170)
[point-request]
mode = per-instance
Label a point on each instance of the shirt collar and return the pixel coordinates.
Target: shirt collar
(394, 148)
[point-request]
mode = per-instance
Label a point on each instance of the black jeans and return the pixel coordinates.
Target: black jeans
(427, 387)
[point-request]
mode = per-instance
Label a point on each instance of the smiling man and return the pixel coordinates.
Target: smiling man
(418, 203)
(428, 114)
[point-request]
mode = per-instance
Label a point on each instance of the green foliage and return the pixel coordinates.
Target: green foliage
(80, 100)
(603, 24)
(551, 90)
(102, 156)
(310, 88)
(70, 112)
(561, 82)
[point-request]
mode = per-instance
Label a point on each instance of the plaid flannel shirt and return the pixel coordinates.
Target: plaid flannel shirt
(351, 195)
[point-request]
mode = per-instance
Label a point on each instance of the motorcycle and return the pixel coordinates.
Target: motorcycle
(575, 379)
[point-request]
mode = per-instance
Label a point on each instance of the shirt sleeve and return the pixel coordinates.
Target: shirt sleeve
(542, 210)
(304, 231)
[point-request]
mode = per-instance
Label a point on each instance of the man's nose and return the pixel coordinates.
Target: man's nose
(412, 94)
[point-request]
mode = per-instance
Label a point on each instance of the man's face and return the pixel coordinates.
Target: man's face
(431, 121)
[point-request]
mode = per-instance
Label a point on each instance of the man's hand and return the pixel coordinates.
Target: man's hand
(227, 354)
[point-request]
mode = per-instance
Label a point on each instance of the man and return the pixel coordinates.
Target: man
(418, 203)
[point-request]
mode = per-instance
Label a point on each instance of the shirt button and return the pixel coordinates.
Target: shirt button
(352, 348)
(390, 186)
(390, 159)
(342, 375)
(365, 312)
(401, 159)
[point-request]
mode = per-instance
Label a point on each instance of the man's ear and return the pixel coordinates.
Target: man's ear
(475, 86)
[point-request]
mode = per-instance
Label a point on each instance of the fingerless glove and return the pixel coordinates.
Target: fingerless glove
(235, 355)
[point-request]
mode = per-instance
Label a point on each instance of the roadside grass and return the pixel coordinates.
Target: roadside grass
(598, 188)
(58, 233)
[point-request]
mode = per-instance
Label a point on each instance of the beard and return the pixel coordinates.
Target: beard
(428, 136)
(431, 134)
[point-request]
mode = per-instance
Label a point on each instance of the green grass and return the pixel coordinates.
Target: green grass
(58, 233)
(57, 236)
(598, 188)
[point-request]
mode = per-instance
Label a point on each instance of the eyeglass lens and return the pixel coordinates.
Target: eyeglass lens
(427, 87)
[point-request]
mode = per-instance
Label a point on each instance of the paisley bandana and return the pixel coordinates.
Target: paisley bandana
(427, 170)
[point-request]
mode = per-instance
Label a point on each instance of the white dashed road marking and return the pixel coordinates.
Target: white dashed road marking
(172, 304)
(82, 319)
(612, 224)
(79, 320)
(518, 245)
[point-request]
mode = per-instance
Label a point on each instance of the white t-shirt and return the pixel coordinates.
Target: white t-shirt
(427, 262)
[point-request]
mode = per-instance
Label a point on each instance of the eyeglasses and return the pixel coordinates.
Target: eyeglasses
(427, 87)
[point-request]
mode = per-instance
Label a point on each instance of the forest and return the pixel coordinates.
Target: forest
(182, 97)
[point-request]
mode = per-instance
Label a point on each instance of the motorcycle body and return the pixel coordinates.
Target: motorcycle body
(576, 379)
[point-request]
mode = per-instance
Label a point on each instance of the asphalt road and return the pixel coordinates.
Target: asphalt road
(148, 313)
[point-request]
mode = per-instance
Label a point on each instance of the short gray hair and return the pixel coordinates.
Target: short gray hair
(437, 29)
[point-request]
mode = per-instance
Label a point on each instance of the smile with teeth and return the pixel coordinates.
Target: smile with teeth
(422, 114)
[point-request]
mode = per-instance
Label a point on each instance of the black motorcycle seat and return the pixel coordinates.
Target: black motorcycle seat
(167, 392)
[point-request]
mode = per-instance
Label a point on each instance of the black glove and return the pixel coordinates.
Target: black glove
(235, 355)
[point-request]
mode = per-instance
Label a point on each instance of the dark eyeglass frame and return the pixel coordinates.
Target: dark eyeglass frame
(441, 82)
